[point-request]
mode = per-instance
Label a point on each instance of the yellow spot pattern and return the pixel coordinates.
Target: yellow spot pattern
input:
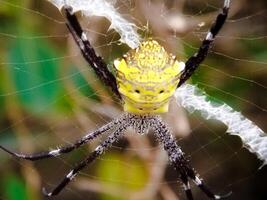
(147, 77)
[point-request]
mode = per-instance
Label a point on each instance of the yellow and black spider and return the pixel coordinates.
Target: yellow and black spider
(146, 78)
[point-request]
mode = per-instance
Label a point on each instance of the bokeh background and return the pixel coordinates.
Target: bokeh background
(50, 97)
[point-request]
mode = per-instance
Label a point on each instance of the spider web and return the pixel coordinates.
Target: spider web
(49, 97)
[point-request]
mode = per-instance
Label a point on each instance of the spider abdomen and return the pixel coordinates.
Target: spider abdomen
(147, 77)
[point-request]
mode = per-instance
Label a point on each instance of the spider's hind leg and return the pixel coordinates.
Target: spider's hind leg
(178, 160)
(203, 187)
(99, 150)
(68, 148)
(187, 186)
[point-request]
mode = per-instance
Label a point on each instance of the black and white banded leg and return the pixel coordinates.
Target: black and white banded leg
(193, 62)
(95, 61)
(96, 153)
(178, 160)
(186, 185)
(66, 149)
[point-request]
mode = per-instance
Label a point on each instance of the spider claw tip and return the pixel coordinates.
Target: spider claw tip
(223, 196)
(6, 150)
(47, 194)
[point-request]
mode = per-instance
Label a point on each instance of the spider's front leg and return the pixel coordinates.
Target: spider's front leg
(88, 52)
(179, 162)
(194, 61)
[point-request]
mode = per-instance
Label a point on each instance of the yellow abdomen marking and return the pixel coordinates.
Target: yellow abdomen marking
(147, 77)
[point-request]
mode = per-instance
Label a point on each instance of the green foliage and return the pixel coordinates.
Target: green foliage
(35, 79)
(14, 188)
(36, 76)
(82, 85)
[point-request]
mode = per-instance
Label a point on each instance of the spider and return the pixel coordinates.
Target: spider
(145, 80)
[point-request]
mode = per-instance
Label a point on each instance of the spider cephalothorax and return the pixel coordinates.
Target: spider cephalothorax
(147, 77)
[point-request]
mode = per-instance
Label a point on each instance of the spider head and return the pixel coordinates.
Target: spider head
(147, 77)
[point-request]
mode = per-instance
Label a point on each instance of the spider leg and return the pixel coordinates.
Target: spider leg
(186, 185)
(95, 61)
(193, 62)
(68, 148)
(178, 160)
(203, 187)
(96, 153)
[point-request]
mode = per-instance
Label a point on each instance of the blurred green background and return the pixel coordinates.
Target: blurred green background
(50, 97)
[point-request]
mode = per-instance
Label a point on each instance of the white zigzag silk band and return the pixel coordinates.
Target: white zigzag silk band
(106, 9)
(193, 99)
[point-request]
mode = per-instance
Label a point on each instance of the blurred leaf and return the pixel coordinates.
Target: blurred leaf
(35, 73)
(1, 101)
(125, 172)
(9, 8)
(14, 188)
(83, 86)
(256, 48)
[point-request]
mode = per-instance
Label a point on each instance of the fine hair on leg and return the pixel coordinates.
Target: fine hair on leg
(89, 54)
(68, 148)
(178, 160)
(96, 153)
(194, 61)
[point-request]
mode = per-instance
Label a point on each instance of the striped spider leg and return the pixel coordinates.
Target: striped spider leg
(194, 61)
